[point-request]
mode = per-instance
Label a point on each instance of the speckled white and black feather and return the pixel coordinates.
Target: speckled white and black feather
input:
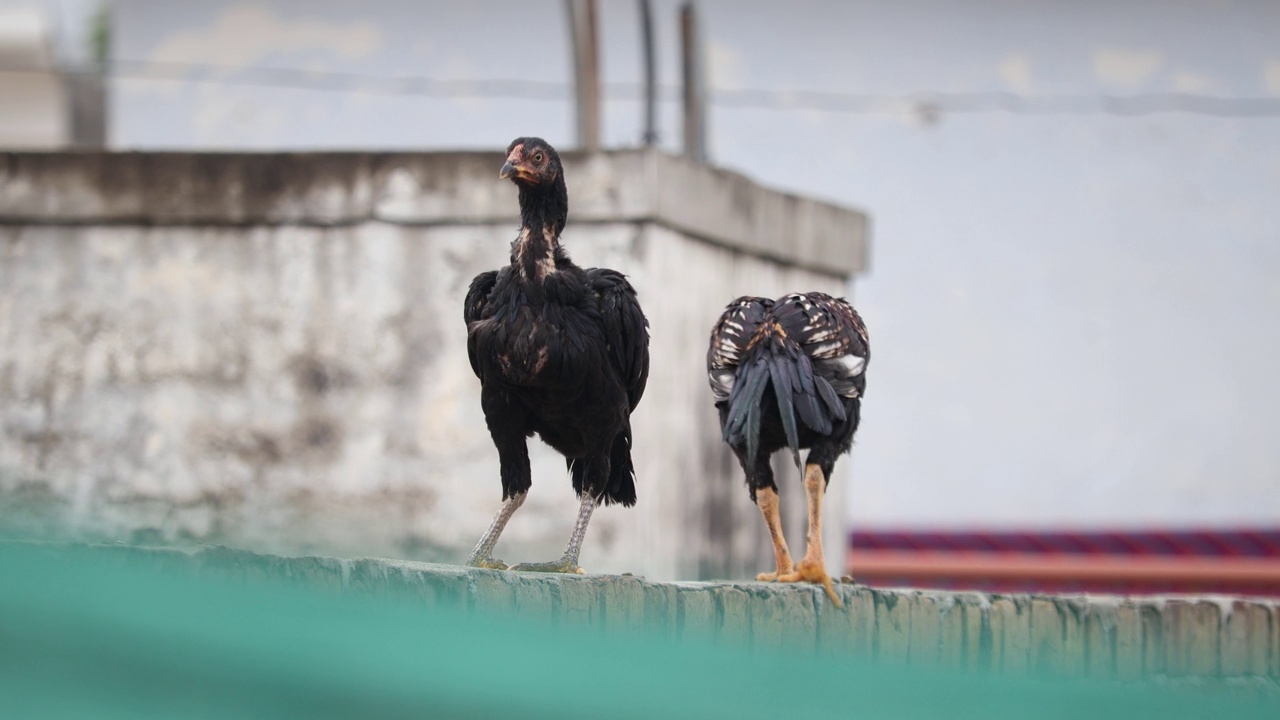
(729, 340)
(811, 350)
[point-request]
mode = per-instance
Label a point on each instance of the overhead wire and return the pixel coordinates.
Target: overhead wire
(927, 102)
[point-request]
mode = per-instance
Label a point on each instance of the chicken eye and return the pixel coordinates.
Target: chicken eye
(537, 157)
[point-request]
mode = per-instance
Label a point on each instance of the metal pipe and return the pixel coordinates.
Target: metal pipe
(650, 136)
(695, 141)
(583, 31)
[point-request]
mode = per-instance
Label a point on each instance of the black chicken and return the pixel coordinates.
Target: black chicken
(771, 362)
(560, 351)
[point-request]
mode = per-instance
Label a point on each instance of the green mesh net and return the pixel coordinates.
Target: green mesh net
(83, 637)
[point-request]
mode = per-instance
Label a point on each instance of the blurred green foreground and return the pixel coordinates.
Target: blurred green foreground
(82, 638)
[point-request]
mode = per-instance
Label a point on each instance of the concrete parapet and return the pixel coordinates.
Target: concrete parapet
(1099, 637)
(444, 188)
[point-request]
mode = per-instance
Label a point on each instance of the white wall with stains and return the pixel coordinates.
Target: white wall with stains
(268, 352)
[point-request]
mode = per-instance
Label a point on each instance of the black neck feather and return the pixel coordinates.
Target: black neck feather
(543, 213)
(542, 207)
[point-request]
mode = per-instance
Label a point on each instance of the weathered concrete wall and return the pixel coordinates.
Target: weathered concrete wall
(267, 351)
(1101, 637)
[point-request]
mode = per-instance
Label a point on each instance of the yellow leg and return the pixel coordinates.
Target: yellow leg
(767, 501)
(813, 567)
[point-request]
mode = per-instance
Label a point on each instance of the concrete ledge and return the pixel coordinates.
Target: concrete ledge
(327, 189)
(1100, 637)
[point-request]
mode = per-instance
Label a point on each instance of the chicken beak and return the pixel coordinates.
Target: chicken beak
(507, 170)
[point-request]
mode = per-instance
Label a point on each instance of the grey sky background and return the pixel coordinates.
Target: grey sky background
(1075, 317)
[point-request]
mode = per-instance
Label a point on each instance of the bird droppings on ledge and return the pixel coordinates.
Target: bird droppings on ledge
(1055, 635)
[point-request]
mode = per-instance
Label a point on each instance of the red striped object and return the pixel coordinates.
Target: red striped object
(1197, 561)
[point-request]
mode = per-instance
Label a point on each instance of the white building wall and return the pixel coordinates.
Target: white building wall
(269, 353)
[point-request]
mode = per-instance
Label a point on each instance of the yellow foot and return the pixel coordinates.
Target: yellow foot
(814, 572)
(488, 563)
(559, 566)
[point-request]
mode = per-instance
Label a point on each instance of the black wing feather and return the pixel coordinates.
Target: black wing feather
(626, 329)
(475, 308)
(812, 348)
(782, 391)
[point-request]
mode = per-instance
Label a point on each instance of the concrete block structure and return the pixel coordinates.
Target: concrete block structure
(267, 351)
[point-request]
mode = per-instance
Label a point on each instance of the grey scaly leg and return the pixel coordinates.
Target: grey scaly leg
(482, 555)
(569, 562)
